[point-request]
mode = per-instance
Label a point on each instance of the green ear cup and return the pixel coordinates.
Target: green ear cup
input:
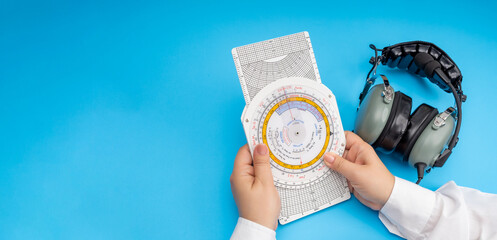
(372, 115)
(431, 142)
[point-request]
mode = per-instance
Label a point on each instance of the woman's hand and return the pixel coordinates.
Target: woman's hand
(253, 188)
(369, 180)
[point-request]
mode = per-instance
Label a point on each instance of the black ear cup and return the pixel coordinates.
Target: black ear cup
(419, 120)
(396, 124)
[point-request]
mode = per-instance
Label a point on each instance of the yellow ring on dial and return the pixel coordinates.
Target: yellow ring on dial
(264, 128)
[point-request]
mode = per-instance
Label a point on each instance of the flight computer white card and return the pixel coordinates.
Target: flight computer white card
(262, 63)
(296, 116)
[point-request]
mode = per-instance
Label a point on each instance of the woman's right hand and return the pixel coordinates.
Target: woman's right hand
(369, 179)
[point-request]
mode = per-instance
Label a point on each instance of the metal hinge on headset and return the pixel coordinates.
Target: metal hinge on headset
(388, 92)
(442, 117)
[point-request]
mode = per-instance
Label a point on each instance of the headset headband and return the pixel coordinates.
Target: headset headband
(401, 55)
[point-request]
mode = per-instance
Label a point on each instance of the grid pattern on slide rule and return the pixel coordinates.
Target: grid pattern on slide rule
(259, 67)
(298, 201)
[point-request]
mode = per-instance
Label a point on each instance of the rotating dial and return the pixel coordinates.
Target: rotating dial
(298, 120)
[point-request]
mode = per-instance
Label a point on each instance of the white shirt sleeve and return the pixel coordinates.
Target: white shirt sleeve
(451, 212)
(248, 230)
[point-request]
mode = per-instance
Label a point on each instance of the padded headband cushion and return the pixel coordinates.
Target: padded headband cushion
(402, 55)
(397, 122)
(419, 120)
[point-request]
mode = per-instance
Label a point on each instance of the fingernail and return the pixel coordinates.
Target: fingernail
(329, 158)
(261, 149)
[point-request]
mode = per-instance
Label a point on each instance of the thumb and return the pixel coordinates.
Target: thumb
(262, 167)
(345, 167)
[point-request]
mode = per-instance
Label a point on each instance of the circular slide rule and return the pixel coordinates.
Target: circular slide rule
(298, 119)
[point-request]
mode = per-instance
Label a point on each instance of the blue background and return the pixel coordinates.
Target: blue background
(121, 120)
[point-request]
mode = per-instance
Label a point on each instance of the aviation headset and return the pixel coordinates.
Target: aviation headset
(426, 137)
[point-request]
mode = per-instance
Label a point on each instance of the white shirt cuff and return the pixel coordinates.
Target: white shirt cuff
(248, 230)
(408, 209)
